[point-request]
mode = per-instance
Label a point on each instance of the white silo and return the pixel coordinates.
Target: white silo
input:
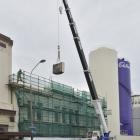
(103, 64)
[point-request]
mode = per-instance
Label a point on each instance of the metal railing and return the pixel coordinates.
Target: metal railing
(43, 85)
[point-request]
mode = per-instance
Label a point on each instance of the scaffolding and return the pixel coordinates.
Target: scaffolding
(58, 110)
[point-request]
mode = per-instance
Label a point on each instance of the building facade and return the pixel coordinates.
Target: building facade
(7, 107)
(8, 103)
(58, 109)
(136, 114)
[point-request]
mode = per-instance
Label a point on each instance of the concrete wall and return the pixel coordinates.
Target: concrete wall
(5, 71)
(128, 138)
(103, 64)
(7, 98)
(136, 114)
(136, 120)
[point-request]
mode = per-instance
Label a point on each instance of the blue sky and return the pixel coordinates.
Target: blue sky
(32, 24)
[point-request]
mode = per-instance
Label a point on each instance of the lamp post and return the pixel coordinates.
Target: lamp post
(31, 109)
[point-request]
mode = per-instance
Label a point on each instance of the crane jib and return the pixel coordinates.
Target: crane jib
(87, 73)
(80, 51)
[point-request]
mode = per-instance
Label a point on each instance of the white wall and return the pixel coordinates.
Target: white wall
(136, 114)
(5, 71)
(128, 138)
(103, 65)
(7, 98)
(136, 120)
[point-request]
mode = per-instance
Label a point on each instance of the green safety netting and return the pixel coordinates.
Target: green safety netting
(58, 109)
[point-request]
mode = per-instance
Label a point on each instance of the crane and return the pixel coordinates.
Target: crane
(87, 73)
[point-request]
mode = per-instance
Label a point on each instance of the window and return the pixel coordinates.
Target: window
(12, 119)
(57, 114)
(39, 114)
(29, 111)
(2, 45)
(64, 115)
(70, 116)
(77, 117)
(3, 128)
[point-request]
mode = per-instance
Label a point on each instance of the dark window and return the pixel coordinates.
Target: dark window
(77, 117)
(39, 114)
(2, 45)
(12, 119)
(70, 116)
(3, 128)
(64, 115)
(29, 111)
(39, 111)
(57, 114)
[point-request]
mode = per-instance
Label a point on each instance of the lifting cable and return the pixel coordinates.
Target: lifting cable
(59, 12)
(58, 68)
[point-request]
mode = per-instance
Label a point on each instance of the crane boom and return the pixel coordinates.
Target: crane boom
(80, 52)
(87, 73)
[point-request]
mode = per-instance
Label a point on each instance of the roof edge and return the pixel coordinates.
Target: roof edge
(6, 39)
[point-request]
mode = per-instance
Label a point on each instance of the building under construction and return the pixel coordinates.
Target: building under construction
(58, 110)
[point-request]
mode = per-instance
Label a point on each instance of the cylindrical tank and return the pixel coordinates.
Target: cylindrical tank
(125, 97)
(103, 64)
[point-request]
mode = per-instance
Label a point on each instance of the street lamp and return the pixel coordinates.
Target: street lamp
(41, 61)
(31, 109)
